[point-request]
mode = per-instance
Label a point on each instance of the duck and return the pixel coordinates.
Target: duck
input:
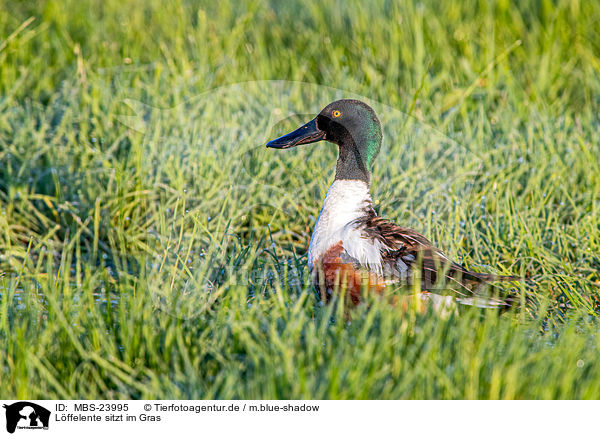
(351, 245)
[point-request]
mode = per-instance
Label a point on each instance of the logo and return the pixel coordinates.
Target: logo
(26, 415)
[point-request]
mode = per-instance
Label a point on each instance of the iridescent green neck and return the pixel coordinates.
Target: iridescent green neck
(373, 144)
(358, 151)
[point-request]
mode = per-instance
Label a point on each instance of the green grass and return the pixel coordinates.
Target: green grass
(151, 247)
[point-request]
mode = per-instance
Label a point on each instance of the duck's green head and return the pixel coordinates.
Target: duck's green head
(353, 126)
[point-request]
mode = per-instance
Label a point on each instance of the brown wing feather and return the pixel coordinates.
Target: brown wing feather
(415, 250)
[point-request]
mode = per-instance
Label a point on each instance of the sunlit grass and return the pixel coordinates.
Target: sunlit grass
(151, 247)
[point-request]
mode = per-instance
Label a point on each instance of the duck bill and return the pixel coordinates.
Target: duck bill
(303, 135)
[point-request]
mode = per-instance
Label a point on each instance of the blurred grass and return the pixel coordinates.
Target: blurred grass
(150, 247)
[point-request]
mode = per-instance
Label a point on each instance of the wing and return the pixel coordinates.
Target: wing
(408, 254)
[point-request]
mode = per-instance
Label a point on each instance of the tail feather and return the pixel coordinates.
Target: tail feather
(481, 298)
(470, 277)
(483, 277)
(488, 302)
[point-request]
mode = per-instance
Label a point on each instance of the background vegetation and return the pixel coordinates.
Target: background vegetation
(150, 247)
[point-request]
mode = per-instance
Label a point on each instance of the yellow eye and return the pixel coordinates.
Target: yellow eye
(336, 114)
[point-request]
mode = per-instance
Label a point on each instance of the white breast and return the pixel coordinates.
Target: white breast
(346, 201)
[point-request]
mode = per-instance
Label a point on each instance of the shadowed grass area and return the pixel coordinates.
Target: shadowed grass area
(151, 247)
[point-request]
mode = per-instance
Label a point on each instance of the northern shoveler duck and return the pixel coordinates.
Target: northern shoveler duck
(350, 244)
